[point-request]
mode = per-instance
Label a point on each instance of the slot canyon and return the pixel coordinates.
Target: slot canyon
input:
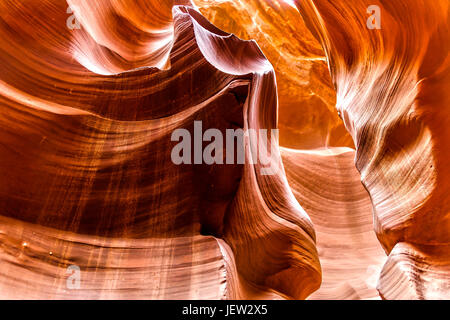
(356, 204)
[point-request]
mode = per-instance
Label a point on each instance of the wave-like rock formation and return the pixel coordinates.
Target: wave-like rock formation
(307, 101)
(393, 95)
(87, 177)
(93, 207)
(325, 183)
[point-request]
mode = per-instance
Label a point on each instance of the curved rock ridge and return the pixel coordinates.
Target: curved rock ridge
(122, 35)
(325, 182)
(307, 114)
(88, 183)
(393, 95)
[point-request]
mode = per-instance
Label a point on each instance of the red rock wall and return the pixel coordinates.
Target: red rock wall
(90, 97)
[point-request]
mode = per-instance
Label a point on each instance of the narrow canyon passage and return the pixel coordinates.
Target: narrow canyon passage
(353, 203)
